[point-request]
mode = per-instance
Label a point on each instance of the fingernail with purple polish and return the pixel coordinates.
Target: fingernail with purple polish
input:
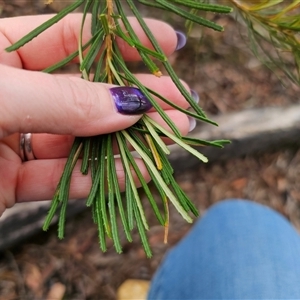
(181, 40)
(193, 123)
(195, 96)
(130, 100)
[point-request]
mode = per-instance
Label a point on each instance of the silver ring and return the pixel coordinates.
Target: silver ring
(26, 152)
(22, 142)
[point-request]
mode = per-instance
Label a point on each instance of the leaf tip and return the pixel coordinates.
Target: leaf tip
(157, 73)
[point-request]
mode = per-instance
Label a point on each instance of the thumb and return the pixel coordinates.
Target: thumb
(37, 102)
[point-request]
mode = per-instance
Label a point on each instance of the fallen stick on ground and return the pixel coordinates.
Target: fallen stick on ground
(250, 132)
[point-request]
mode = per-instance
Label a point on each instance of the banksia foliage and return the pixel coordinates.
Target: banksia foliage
(101, 61)
(273, 30)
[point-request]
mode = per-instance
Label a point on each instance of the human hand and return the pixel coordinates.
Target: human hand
(56, 108)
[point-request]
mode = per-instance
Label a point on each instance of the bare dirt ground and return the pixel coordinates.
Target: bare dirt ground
(228, 78)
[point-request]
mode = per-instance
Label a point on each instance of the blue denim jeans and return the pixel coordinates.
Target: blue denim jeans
(238, 250)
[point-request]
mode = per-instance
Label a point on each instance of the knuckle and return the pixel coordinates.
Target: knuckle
(83, 103)
(81, 98)
(4, 128)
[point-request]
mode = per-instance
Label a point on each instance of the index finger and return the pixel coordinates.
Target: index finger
(61, 39)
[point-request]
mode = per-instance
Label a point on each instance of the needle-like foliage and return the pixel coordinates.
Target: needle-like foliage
(273, 31)
(102, 62)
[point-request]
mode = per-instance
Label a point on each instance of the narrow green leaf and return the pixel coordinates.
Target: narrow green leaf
(99, 75)
(137, 199)
(185, 111)
(119, 32)
(145, 58)
(118, 197)
(100, 225)
(70, 164)
(85, 73)
(204, 6)
(188, 16)
(141, 230)
(166, 170)
(166, 64)
(94, 163)
(152, 4)
(186, 93)
(129, 196)
(86, 156)
(104, 22)
(199, 142)
(66, 60)
(111, 196)
(34, 33)
(102, 163)
(94, 213)
(125, 151)
(150, 52)
(114, 68)
(92, 52)
(156, 137)
(95, 188)
(178, 141)
(264, 5)
(54, 205)
(95, 17)
(184, 199)
(62, 219)
(163, 185)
